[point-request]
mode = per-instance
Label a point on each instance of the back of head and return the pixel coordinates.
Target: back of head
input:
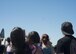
(45, 38)
(67, 28)
(34, 37)
(8, 40)
(17, 37)
(18, 41)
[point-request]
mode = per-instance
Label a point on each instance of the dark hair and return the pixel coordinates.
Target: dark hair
(45, 38)
(34, 37)
(18, 41)
(17, 37)
(8, 40)
(67, 27)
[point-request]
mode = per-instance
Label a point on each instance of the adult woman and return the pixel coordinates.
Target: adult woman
(18, 41)
(46, 45)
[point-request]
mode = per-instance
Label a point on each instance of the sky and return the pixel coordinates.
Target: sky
(43, 16)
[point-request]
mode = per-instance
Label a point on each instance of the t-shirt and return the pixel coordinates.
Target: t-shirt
(48, 49)
(9, 48)
(63, 45)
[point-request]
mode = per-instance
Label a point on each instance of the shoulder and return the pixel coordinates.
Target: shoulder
(73, 41)
(63, 40)
(73, 38)
(39, 50)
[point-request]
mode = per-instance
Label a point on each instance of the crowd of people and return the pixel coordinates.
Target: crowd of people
(19, 43)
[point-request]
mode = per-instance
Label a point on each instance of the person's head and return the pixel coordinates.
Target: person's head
(8, 40)
(17, 37)
(34, 37)
(45, 38)
(67, 28)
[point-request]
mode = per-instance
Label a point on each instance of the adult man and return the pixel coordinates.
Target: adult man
(63, 45)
